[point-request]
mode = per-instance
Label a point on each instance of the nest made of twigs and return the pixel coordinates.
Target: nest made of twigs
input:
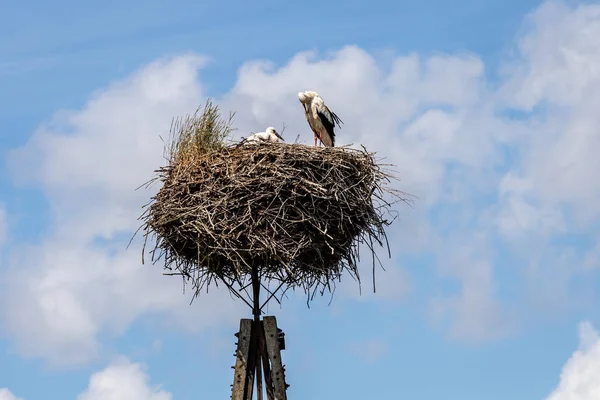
(297, 213)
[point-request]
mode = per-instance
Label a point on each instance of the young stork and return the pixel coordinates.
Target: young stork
(320, 118)
(269, 135)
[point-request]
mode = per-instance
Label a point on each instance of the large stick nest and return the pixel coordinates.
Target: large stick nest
(297, 212)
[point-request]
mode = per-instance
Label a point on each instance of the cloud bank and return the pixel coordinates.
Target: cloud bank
(579, 376)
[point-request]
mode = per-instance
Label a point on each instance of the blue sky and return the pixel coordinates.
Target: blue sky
(488, 109)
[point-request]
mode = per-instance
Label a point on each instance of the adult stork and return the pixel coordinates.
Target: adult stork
(269, 135)
(320, 118)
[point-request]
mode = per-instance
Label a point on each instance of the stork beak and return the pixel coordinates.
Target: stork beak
(279, 136)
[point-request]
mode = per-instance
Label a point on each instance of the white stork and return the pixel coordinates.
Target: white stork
(269, 135)
(320, 118)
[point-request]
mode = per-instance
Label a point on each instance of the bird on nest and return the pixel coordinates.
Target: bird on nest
(270, 135)
(320, 118)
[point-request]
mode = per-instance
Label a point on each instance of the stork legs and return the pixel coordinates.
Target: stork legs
(317, 136)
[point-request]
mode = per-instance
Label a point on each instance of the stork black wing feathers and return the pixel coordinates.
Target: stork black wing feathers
(329, 119)
(335, 118)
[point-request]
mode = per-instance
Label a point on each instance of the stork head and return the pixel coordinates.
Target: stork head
(302, 97)
(270, 130)
(307, 96)
(311, 94)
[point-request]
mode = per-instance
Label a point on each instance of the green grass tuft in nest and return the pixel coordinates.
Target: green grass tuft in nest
(200, 133)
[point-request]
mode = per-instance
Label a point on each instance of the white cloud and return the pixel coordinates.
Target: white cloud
(473, 312)
(72, 287)
(579, 376)
(550, 191)
(558, 78)
(123, 380)
(80, 292)
(94, 158)
(6, 394)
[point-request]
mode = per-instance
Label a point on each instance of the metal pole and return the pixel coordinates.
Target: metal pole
(256, 293)
(256, 330)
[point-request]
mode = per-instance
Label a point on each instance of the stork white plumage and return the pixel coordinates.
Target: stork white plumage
(320, 118)
(269, 135)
